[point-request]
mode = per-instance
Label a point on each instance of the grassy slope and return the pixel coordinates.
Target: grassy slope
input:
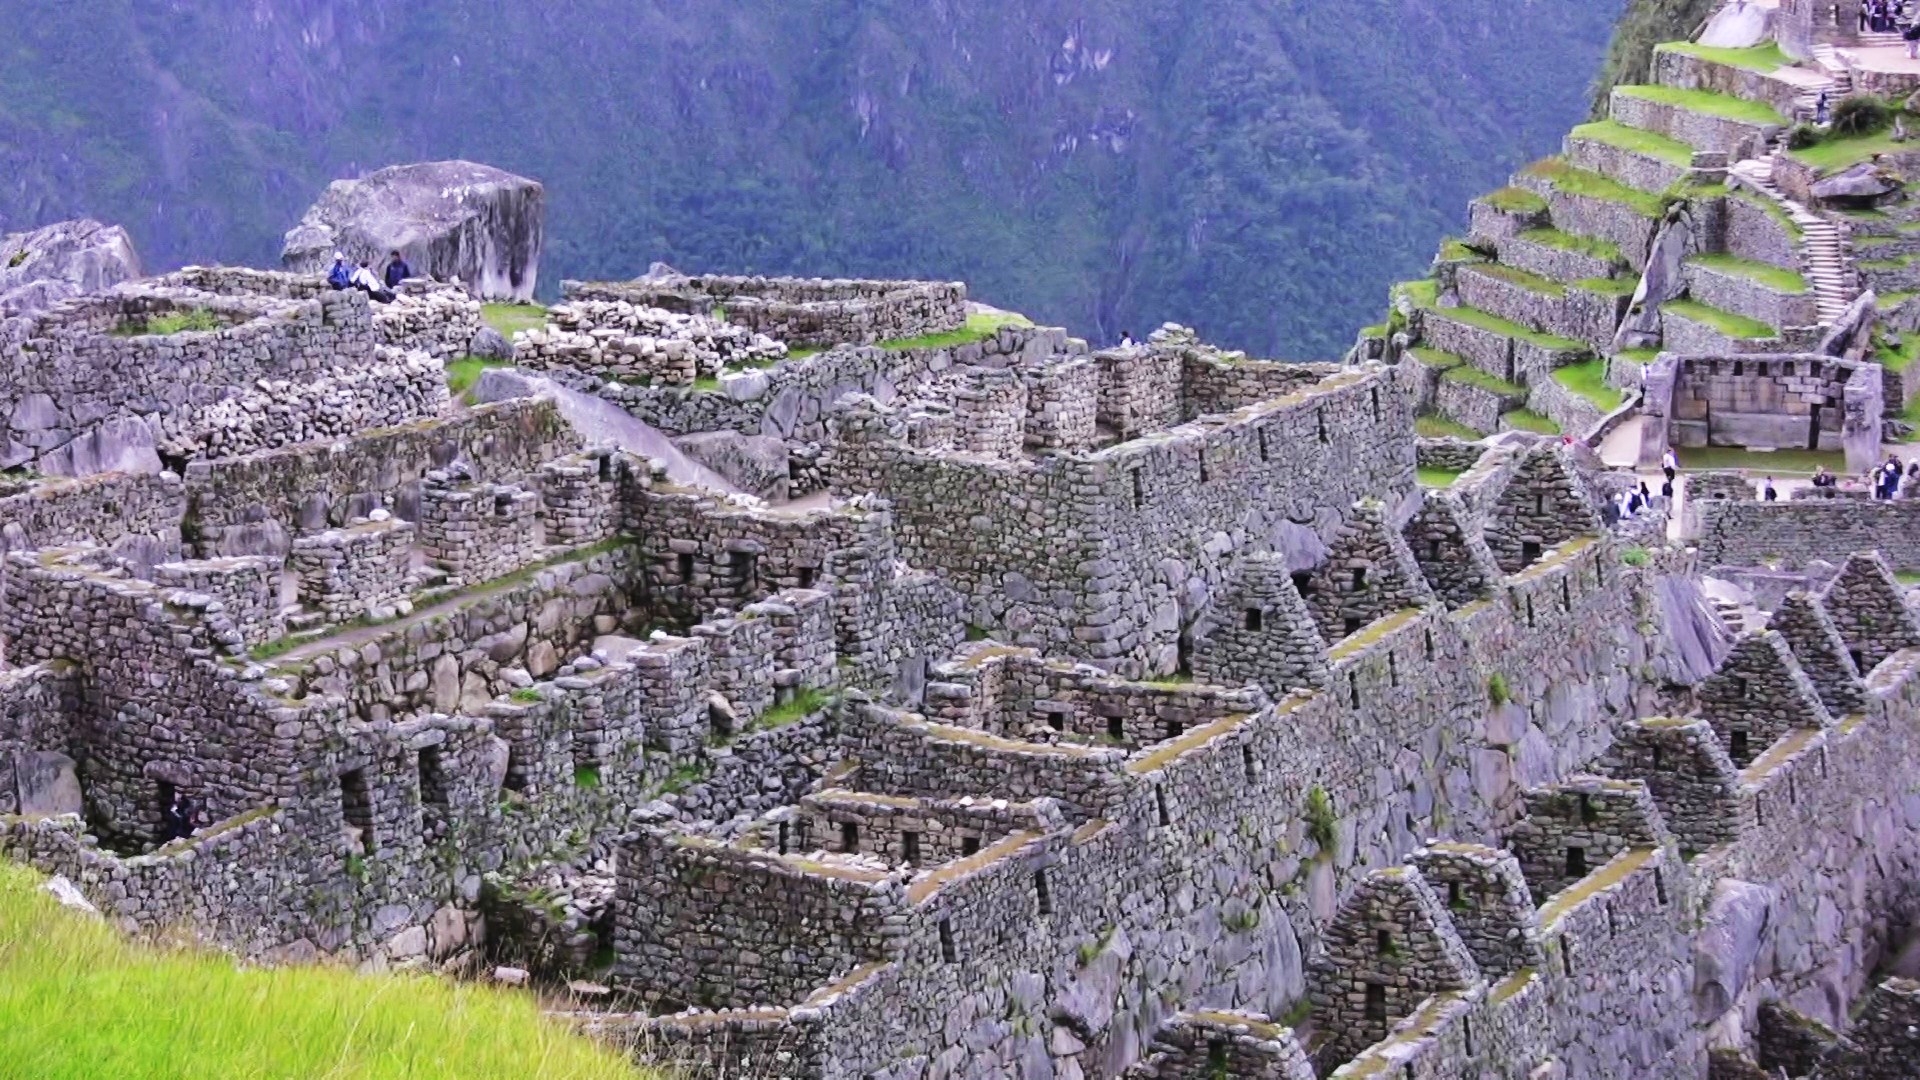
(79, 1002)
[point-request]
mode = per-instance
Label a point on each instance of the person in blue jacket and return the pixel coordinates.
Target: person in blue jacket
(397, 270)
(341, 276)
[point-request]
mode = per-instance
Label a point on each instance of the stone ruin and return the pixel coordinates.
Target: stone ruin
(1049, 711)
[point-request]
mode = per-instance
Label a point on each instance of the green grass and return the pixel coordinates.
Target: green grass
(1767, 274)
(1907, 577)
(1764, 59)
(1771, 209)
(1608, 286)
(1911, 414)
(198, 320)
(979, 327)
(1724, 106)
(1589, 380)
(1572, 180)
(1637, 140)
(83, 1002)
(1771, 463)
(1431, 426)
(1896, 357)
(1891, 300)
(1492, 323)
(1515, 200)
(1900, 262)
(1834, 153)
(1639, 356)
(1528, 420)
(1590, 246)
(1726, 322)
(586, 776)
(1473, 376)
(1456, 250)
(1423, 293)
(1434, 358)
(799, 707)
(1532, 282)
(508, 318)
(1437, 478)
(464, 372)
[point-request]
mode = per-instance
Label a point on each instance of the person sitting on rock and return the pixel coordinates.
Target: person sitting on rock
(364, 280)
(397, 270)
(341, 276)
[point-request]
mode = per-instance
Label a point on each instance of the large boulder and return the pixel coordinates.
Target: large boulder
(453, 220)
(756, 464)
(68, 258)
(1863, 183)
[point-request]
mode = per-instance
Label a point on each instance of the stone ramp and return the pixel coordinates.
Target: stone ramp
(601, 421)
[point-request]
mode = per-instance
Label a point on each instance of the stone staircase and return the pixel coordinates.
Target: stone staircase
(1822, 255)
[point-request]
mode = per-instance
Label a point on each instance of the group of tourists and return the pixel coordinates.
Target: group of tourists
(1891, 480)
(346, 276)
(1891, 17)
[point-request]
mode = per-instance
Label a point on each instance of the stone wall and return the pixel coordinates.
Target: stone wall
(1789, 401)
(106, 508)
(619, 341)
(1794, 533)
(395, 388)
(1053, 542)
(798, 311)
(259, 502)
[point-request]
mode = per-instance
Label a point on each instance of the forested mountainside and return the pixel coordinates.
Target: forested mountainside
(1262, 169)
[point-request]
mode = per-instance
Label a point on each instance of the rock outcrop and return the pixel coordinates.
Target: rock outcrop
(453, 220)
(64, 259)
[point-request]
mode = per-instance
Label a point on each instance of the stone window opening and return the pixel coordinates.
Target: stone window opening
(1660, 886)
(1739, 368)
(1657, 755)
(1217, 1057)
(1529, 552)
(1576, 862)
(1116, 728)
(1759, 811)
(1740, 687)
(606, 470)
(1262, 433)
(1859, 660)
(1453, 894)
(1359, 579)
(1539, 503)
(1383, 943)
(1376, 1003)
(1566, 956)
(1374, 394)
(1529, 611)
(165, 796)
(1813, 428)
(1566, 593)
(1057, 720)
(910, 848)
(1466, 1031)
(1351, 625)
(1613, 921)
(685, 567)
(1255, 619)
(783, 838)
(1587, 815)
(1739, 751)
(1203, 466)
(1823, 763)
(433, 777)
(1175, 729)
(516, 769)
(804, 576)
(1429, 636)
(1139, 489)
(849, 837)
(1246, 759)
(1303, 583)
(356, 807)
(1320, 419)
(1353, 689)
(948, 953)
(1183, 647)
(746, 569)
(1393, 669)
(1040, 892)
(969, 845)
(502, 506)
(1160, 805)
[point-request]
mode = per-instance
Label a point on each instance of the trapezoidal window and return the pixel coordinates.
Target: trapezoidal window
(356, 806)
(1576, 862)
(1376, 1003)
(1255, 618)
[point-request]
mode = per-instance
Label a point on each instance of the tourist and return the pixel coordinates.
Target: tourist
(1865, 16)
(1768, 493)
(177, 817)
(1821, 111)
(341, 276)
(364, 280)
(1824, 480)
(1912, 37)
(397, 270)
(1126, 339)
(1670, 464)
(1629, 504)
(1666, 489)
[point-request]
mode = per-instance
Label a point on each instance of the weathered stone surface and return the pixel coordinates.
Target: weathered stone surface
(452, 220)
(63, 260)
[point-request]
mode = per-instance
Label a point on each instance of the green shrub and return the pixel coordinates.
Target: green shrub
(1497, 691)
(1320, 818)
(1801, 136)
(1636, 557)
(1861, 114)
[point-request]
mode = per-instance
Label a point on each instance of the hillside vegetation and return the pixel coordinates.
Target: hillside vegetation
(1262, 170)
(80, 1002)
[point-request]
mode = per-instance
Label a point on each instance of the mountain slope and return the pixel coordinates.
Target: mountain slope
(1261, 168)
